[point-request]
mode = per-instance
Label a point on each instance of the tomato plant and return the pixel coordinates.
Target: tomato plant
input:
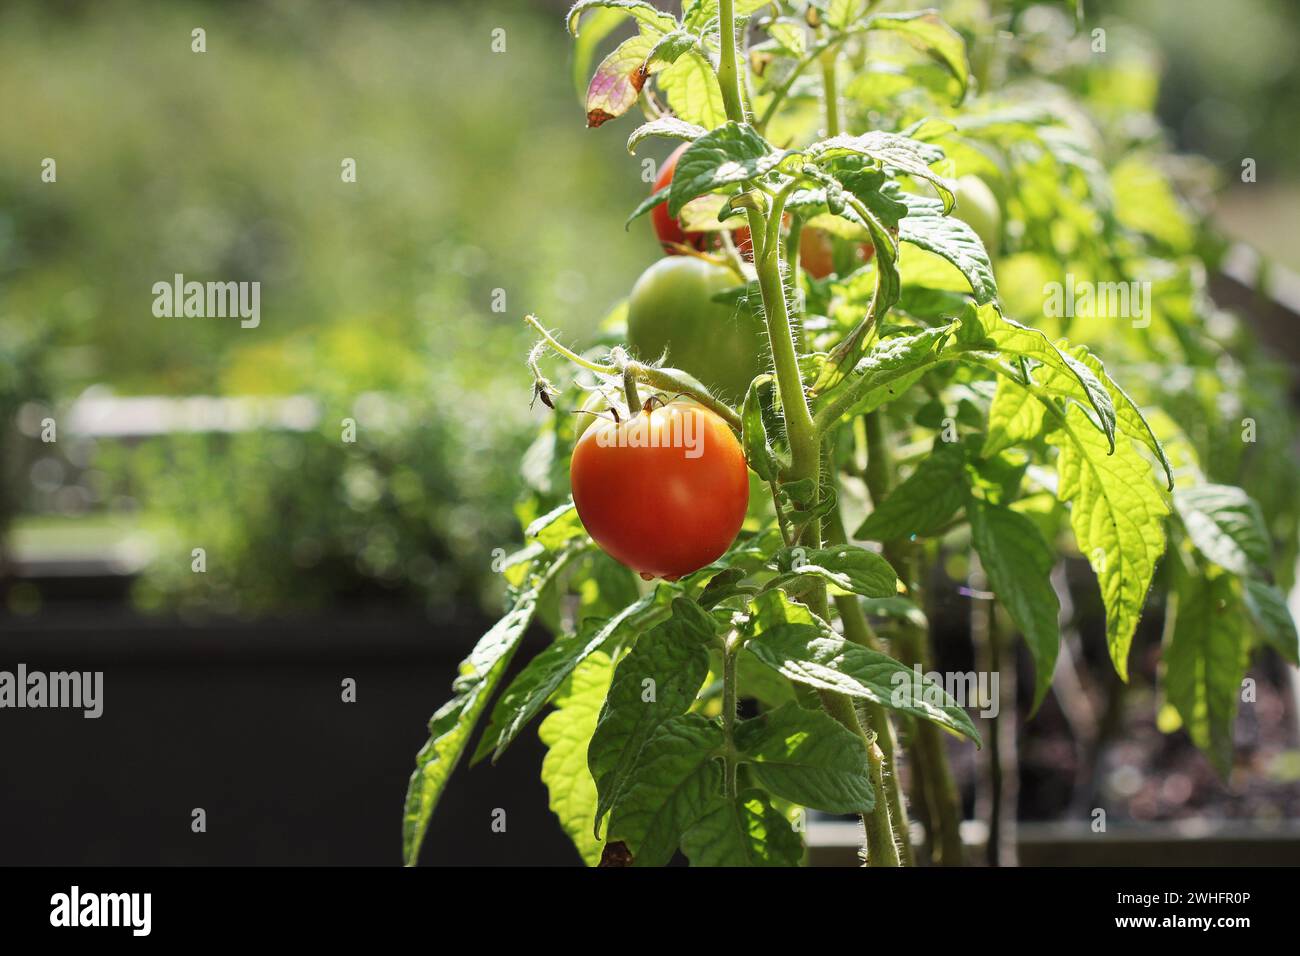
(935, 401)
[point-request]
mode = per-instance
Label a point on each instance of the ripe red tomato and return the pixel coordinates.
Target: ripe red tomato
(667, 228)
(664, 492)
(670, 232)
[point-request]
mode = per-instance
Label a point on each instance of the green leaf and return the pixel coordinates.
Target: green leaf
(1018, 562)
(809, 758)
(791, 640)
(1015, 416)
(676, 778)
(565, 732)
(1268, 608)
(646, 14)
(645, 205)
(847, 566)
(533, 686)
(1128, 416)
(1145, 202)
(747, 831)
(884, 296)
(895, 607)
(927, 31)
(702, 14)
(790, 35)
(927, 226)
(557, 527)
(722, 586)
(451, 726)
(1205, 661)
(924, 502)
(668, 126)
(515, 567)
(984, 329)
(1117, 514)
(758, 452)
(893, 151)
(691, 88)
(759, 682)
(616, 84)
(669, 48)
(890, 368)
(1226, 526)
(843, 14)
(656, 681)
(727, 155)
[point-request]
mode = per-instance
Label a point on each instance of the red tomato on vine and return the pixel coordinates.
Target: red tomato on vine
(665, 491)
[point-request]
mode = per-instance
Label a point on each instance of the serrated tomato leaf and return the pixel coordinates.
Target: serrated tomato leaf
(656, 681)
(809, 758)
(791, 640)
(450, 728)
(676, 778)
(924, 502)
(1018, 562)
(1117, 514)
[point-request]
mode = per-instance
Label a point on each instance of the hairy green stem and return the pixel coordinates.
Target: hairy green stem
(792, 239)
(805, 448)
(728, 75)
(629, 382)
(882, 850)
(665, 379)
(729, 689)
(857, 630)
(830, 96)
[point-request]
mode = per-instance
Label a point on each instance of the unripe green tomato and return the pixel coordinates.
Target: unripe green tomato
(671, 309)
(978, 208)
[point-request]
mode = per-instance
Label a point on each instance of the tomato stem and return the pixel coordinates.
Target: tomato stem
(728, 75)
(881, 848)
(805, 445)
(793, 236)
(829, 93)
(730, 649)
(567, 353)
(858, 630)
(781, 520)
(629, 382)
(665, 379)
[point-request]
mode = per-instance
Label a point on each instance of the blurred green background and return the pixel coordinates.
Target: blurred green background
(474, 174)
